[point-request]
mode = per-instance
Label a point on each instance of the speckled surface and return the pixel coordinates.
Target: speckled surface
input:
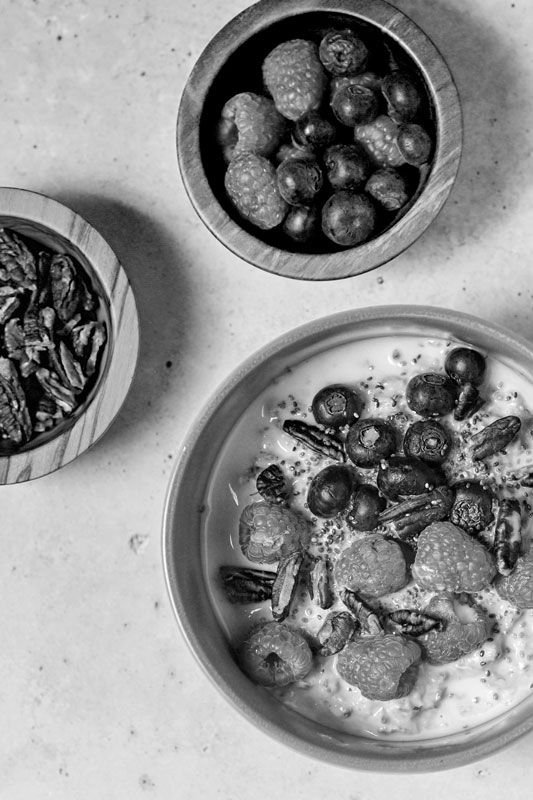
(99, 695)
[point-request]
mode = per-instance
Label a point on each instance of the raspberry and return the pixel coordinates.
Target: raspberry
(448, 559)
(517, 588)
(382, 667)
(250, 123)
(295, 78)
(372, 566)
(268, 531)
(275, 655)
(379, 139)
(467, 626)
(252, 188)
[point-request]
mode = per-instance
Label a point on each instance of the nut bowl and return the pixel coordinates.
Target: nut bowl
(231, 64)
(190, 574)
(46, 226)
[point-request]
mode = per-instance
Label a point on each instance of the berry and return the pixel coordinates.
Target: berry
(448, 559)
(335, 406)
(299, 180)
(517, 588)
(268, 531)
(342, 52)
(372, 566)
(252, 188)
(465, 365)
(347, 166)
(389, 188)
(414, 143)
(354, 104)
(250, 123)
(330, 491)
(472, 507)
(368, 441)
(313, 131)
(465, 626)
(368, 79)
(366, 506)
(402, 476)
(382, 667)
(428, 441)
(302, 223)
(379, 139)
(402, 96)
(275, 655)
(431, 394)
(348, 218)
(295, 78)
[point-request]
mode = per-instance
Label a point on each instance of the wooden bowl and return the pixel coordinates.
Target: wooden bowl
(55, 226)
(231, 63)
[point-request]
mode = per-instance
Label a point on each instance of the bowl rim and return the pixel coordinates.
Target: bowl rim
(387, 245)
(56, 219)
(422, 761)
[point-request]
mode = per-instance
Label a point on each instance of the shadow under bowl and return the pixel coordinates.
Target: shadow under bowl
(231, 63)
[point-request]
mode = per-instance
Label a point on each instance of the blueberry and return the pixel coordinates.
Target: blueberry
(428, 441)
(347, 166)
(414, 143)
(348, 218)
(366, 506)
(342, 52)
(389, 188)
(302, 223)
(465, 365)
(299, 180)
(335, 406)
(431, 394)
(369, 441)
(355, 104)
(313, 131)
(404, 476)
(330, 491)
(402, 96)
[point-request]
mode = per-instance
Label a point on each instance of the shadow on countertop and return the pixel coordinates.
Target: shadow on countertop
(486, 69)
(152, 259)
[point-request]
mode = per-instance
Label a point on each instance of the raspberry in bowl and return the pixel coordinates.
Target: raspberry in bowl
(373, 612)
(319, 144)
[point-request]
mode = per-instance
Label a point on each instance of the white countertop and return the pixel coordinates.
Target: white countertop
(99, 694)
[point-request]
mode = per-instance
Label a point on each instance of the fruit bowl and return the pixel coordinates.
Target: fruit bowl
(186, 557)
(87, 405)
(231, 63)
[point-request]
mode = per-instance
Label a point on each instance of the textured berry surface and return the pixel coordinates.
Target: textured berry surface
(460, 634)
(379, 138)
(275, 655)
(372, 566)
(265, 531)
(295, 78)
(252, 187)
(448, 559)
(517, 587)
(382, 667)
(251, 123)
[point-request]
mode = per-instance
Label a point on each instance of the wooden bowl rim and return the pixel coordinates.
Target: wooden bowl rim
(117, 373)
(389, 244)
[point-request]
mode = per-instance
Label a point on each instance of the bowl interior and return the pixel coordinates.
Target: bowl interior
(184, 520)
(37, 234)
(242, 73)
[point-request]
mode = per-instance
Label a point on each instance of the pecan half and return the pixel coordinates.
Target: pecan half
(244, 585)
(318, 440)
(285, 583)
(508, 535)
(414, 623)
(364, 614)
(495, 437)
(336, 632)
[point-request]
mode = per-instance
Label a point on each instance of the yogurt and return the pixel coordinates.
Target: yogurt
(448, 698)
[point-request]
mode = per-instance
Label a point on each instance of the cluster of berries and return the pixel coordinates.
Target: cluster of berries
(335, 151)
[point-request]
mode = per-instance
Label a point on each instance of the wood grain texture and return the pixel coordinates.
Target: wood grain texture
(54, 225)
(342, 264)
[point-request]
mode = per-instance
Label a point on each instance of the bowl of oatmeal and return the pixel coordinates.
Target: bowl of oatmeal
(350, 564)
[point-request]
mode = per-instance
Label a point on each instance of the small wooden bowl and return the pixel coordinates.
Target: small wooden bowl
(226, 67)
(55, 226)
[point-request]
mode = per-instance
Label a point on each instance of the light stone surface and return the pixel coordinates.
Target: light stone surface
(99, 695)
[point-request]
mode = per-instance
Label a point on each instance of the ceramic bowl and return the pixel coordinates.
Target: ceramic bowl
(231, 63)
(53, 225)
(185, 515)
